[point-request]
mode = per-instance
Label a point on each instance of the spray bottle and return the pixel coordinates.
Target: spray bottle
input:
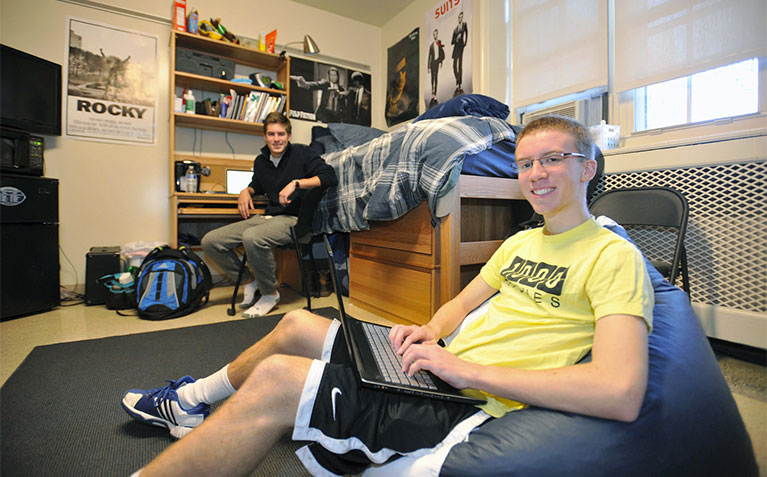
(189, 102)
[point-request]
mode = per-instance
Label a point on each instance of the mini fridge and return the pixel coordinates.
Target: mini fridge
(29, 245)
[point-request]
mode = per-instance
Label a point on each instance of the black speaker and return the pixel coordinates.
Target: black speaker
(99, 261)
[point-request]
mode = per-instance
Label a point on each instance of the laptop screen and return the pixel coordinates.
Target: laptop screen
(237, 179)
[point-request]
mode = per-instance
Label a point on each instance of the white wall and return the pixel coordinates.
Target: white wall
(112, 194)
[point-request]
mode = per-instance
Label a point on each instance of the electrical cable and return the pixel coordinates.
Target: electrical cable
(226, 137)
(70, 295)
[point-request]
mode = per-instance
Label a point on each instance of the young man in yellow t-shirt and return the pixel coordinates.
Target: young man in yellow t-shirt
(567, 288)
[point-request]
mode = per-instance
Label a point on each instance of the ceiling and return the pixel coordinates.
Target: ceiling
(372, 12)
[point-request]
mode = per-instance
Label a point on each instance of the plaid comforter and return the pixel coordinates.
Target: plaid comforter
(386, 177)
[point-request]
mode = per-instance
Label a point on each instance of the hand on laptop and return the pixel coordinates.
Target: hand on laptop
(402, 336)
(434, 358)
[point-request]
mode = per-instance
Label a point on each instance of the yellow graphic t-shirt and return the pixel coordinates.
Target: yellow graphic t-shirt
(553, 288)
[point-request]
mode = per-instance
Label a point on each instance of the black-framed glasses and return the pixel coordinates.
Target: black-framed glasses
(548, 160)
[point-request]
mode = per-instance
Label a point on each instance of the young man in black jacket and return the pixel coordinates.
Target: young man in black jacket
(281, 172)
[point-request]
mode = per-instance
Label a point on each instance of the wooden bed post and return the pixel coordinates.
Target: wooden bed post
(450, 250)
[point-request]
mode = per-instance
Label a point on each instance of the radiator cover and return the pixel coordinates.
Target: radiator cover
(726, 236)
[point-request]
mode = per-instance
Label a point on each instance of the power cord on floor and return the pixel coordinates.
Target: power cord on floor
(70, 297)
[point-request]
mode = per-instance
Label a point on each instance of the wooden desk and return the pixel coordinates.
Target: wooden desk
(199, 213)
(405, 269)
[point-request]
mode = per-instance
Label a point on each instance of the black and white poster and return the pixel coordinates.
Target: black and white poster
(328, 93)
(448, 51)
(402, 80)
(111, 83)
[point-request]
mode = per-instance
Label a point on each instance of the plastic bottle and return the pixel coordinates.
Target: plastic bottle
(189, 102)
(190, 180)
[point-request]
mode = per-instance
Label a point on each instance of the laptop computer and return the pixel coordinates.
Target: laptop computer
(237, 179)
(376, 363)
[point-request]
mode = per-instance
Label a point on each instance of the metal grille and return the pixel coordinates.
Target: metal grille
(726, 236)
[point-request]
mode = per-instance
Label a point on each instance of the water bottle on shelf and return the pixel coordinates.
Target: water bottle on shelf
(190, 180)
(189, 102)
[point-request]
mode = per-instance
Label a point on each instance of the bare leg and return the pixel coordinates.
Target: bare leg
(238, 436)
(299, 333)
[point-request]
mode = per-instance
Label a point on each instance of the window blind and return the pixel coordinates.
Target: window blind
(559, 47)
(659, 40)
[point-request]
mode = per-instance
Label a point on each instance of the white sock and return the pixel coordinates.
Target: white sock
(206, 390)
(248, 294)
(263, 306)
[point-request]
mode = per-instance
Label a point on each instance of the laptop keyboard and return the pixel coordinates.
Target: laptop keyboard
(389, 362)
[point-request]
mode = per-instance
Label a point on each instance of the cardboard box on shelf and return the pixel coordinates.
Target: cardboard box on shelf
(179, 15)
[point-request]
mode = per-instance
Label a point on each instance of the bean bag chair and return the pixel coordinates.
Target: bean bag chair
(688, 425)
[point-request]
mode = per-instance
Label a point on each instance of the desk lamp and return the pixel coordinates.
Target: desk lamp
(310, 47)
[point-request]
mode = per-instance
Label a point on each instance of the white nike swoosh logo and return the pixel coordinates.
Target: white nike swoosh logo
(333, 394)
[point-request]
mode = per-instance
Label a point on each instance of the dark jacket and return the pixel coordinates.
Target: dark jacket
(298, 162)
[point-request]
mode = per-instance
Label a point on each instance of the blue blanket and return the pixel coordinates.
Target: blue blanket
(467, 105)
(386, 177)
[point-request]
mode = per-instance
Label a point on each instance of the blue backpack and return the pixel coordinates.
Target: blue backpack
(171, 283)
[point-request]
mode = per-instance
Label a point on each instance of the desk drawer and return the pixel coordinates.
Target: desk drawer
(398, 293)
(411, 233)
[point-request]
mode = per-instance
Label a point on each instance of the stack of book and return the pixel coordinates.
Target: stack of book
(251, 107)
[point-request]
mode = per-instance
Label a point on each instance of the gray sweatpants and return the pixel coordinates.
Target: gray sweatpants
(258, 235)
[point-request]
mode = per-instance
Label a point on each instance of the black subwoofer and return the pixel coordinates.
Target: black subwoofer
(100, 261)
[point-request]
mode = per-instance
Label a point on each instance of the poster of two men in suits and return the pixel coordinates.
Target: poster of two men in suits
(328, 93)
(448, 51)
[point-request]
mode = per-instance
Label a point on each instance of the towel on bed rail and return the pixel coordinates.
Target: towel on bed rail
(386, 177)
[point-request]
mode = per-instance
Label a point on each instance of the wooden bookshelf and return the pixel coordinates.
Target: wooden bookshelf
(215, 206)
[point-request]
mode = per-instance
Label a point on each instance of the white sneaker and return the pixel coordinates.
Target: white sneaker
(263, 306)
(160, 407)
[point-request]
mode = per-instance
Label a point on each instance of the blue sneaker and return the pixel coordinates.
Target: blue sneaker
(160, 407)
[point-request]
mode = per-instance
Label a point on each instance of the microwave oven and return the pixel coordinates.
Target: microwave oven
(21, 152)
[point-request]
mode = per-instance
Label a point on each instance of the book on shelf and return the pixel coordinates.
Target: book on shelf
(231, 106)
(241, 108)
(261, 103)
(251, 107)
(273, 103)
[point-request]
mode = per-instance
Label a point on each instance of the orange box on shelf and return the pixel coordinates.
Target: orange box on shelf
(179, 15)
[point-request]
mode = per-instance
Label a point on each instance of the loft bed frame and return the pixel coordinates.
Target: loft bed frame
(405, 269)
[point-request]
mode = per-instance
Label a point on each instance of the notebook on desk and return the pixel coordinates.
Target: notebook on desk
(237, 179)
(377, 365)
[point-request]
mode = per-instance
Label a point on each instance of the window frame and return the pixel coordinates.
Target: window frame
(640, 103)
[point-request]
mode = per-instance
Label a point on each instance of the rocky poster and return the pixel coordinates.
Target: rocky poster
(111, 83)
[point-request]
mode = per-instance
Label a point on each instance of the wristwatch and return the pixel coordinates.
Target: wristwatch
(298, 183)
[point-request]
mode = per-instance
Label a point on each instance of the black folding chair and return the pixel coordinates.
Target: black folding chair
(656, 220)
(303, 238)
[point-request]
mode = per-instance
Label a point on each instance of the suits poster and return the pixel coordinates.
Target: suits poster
(328, 93)
(402, 80)
(448, 51)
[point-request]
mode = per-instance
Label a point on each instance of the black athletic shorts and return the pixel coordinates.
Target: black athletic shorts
(351, 427)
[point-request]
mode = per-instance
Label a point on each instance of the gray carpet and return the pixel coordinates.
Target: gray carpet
(60, 412)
